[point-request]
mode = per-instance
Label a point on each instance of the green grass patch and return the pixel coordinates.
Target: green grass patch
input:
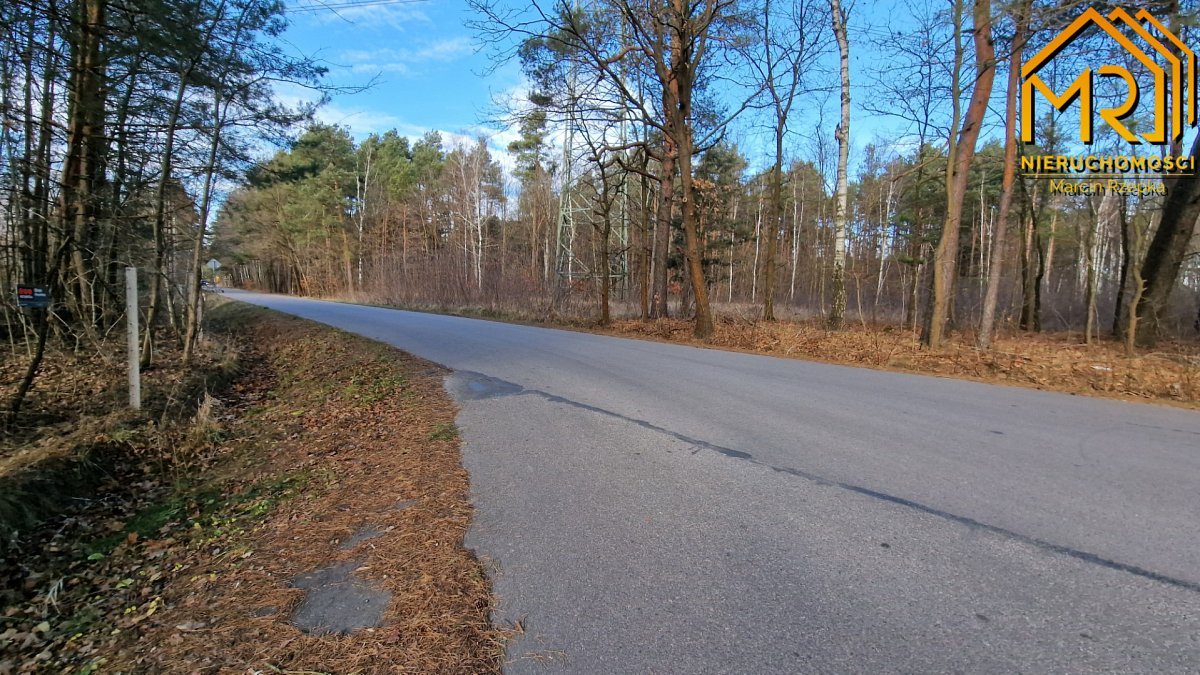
(175, 507)
(373, 389)
(444, 432)
(208, 511)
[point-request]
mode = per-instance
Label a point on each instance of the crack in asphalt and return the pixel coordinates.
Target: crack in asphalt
(477, 386)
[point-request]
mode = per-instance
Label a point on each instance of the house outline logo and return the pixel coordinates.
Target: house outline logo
(1181, 76)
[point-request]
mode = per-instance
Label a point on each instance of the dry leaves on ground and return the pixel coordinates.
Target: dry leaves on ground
(324, 434)
(1047, 361)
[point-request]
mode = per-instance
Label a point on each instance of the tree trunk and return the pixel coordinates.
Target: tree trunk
(1119, 313)
(1166, 252)
(946, 258)
(678, 92)
(695, 267)
(797, 219)
(662, 231)
(604, 268)
(82, 171)
(159, 225)
(775, 223)
(646, 249)
(1089, 260)
(757, 249)
(837, 311)
(995, 274)
(1030, 312)
(192, 328)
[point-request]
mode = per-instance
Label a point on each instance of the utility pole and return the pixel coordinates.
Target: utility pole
(131, 317)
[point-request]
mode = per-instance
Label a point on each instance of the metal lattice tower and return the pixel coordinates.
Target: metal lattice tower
(567, 265)
(565, 261)
(621, 269)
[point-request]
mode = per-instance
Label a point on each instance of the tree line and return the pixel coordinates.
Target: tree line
(125, 124)
(121, 121)
(628, 189)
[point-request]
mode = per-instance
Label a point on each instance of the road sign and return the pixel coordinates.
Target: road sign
(213, 264)
(33, 297)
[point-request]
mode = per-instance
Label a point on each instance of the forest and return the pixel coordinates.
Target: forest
(630, 197)
(121, 120)
(675, 159)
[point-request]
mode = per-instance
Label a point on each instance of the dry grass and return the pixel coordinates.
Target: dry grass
(1050, 361)
(76, 426)
(1056, 362)
(357, 424)
(81, 395)
(322, 433)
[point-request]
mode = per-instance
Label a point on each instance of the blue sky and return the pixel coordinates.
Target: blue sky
(429, 74)
(422, 57)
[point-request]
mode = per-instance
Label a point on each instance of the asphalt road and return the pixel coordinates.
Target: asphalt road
(652, 508)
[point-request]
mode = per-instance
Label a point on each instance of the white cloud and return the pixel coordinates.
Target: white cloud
(442, 50)
(391, 17)
(371, 68)
(497, 139)
(449, 49)
(403, 61)
(293, 95)
(360, 120)
(515, 97)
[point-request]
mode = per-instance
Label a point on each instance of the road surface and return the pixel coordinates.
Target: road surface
(655, 508)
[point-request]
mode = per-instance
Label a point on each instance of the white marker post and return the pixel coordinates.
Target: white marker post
(131, 314)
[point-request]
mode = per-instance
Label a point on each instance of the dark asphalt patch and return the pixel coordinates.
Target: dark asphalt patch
(360, 535)
(338, 602)
(465, 385)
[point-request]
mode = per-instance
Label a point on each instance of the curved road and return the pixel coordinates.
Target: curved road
(655, 508)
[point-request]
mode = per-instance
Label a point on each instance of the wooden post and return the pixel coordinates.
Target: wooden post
(131, 314)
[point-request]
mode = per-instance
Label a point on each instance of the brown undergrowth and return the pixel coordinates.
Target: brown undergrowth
(1056, 362)
(322, 434)
(76, 432)
(1061, 362)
